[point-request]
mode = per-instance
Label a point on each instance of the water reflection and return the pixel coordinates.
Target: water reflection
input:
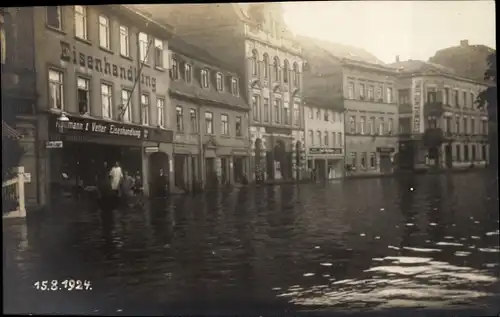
(426, 241)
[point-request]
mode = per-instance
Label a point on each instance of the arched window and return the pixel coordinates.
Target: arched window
(255, 59)
(295, 74)
(266, 66)
(276, 67)
(286, 70)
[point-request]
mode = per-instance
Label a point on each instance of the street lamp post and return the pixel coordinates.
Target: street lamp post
(62, 119)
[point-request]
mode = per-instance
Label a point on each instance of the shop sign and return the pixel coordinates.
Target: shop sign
(100, 127)
(70, 54)
(151, 149)
(386, 149)
(274, 130)
(54, 144)
(317, 150)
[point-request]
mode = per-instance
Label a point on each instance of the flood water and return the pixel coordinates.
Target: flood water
(357, 245)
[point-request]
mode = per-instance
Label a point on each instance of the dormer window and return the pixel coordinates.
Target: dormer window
(234, 86)
(204, 78)
(188, 73)
(175, 69)
(220, 82)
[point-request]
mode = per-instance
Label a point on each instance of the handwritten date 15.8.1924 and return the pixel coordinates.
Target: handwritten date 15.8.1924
(63, 285)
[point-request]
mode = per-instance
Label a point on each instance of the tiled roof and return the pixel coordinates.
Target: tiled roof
(412, 66)
(194, 90)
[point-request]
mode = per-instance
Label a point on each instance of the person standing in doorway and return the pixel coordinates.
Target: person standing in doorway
(116, 175)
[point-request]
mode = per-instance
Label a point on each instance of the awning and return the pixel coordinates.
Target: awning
(10, 132)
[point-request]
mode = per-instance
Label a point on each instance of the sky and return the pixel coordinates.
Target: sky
(410, 29)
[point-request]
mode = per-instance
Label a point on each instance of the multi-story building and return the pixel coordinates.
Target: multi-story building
(358, 84)
(19, 93)
(102, 83)
(211, 141)
(254, 40)
(324, 126)
(440, 122)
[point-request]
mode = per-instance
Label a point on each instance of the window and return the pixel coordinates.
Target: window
(188, 72)
(457, 153)
(239, 131)
(286, 69)
(107, 100)
(296, 113)
(209, 123)
(457, 124)
(362, 91)
(255, 107)
(465, 103)
(175, 69)
(220, 82)
(327, 142)
(311, 113)
(390, 125)
(381, 126)
(81, 22)
(473, 126)
(224, 124)
(126, 105)
(340, 140)
(104, 32)
(311, 137)
(83, 95)
(255, 60)
(389, 95)
(472, 99)
(473, 152)
(370, 92)
(431, 95)
(465, 125)
(124, 41)
(448, 123)
(204, 78)
(457, 103)
(379, 94)
(160, 107)
(286, 113)
(446, 96)
(352, 124)
(466, 152)
(145, 109)
(318, 134)
(3, 42)
(277, 106)
(143, 47)
(296, 74)
(371, 125)
(159, 53)
(373, 160)
(484, 129)
(362, 122)
(350, 91)
(326, 115)
(276, 67)
(404, 96)
(193, 120)
(363, 160)
(431, 122)
(56, 89)
(266, 66)
(266, 109)
(354, 159)
(334, 139)
(179, 118)
(234, 86)
(54, 17)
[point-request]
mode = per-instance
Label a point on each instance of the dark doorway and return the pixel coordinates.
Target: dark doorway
(280, 157)
(179, 164)
(158, 172)
(210, 174)
(385, 163)
(224, 174)
(406, 155)
(448, 156)
(238, 169)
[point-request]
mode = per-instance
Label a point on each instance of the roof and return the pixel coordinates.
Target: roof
(419, 66)
(178, 45)
(339, 51)
(194, 91)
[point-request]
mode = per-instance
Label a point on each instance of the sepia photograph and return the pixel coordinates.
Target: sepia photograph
(295, 158)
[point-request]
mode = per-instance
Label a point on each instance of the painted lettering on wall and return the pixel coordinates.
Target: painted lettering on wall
(417, 106)
(70, 54)
(106, 128)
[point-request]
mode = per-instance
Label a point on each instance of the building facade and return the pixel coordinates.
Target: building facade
(19, 92)
(253, 39)
(440, 122)
(211, 141)
(102, 81)
(324, 141)
(371, 117)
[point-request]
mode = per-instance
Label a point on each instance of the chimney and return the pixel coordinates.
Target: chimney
(464, 43)
(397, 58)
